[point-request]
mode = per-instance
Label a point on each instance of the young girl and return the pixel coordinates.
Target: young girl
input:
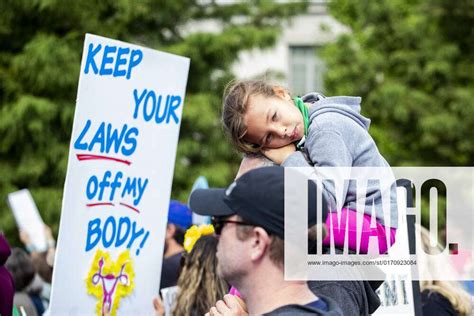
(330, 132)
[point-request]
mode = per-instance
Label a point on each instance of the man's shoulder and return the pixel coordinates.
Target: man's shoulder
(295, 309)
(174, 258)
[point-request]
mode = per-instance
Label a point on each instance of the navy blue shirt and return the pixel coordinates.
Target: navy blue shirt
(319, 304)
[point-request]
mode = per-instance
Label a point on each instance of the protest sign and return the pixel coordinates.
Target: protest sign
(118, 183)
(28, 218)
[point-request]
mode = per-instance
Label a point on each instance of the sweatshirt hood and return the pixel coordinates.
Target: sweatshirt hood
(347, 106)
(4, 250)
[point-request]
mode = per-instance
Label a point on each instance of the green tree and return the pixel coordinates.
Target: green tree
(412, 63)
(40, 52)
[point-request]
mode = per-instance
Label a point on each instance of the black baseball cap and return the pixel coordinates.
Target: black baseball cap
(258, 197)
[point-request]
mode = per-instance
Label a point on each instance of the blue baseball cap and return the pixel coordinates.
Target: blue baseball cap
(180, 215)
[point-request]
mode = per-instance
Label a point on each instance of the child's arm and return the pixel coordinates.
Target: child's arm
(279, 155)
(325, 148)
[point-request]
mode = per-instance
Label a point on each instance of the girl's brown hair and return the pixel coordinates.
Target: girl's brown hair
(236, 98)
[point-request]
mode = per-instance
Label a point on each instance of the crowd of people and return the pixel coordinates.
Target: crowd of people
(236, 266)
(26, 276)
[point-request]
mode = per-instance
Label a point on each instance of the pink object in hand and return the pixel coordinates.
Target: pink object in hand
(235, 292)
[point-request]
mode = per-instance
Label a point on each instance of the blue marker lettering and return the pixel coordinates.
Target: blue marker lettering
(122, 234)
(135, 234)
(147, 116)
(90, 61)
(99, 138)
(78, 143)
(143, 242)
(104, 183)
(174, 104)
(141, 189)
(130, 187)
(159, 119)
(107, 60)
(113, 138)
(92, 186)
(121, 61)
(138, 100)
(93, 229)
(115, 184)
(130, 140)
(109, 222)
(135, 59)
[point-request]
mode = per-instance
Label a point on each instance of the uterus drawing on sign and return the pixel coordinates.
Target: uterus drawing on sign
(110, 281)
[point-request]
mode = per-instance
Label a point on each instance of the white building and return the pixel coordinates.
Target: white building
(294, 60)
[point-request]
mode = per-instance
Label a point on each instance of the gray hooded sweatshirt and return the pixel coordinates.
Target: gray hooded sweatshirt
(338, 137)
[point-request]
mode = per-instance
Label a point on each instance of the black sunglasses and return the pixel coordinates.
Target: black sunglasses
(220, 223)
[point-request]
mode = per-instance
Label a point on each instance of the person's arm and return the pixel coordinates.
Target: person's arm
(26, 240)
(325, 148)
(49, 237)
(30, 247)
(328, 148)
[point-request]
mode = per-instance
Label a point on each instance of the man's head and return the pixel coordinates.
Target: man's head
(257, 115)
(253, 161)
(244, 247)
(179, 219)
(21, 267)
(249, 215)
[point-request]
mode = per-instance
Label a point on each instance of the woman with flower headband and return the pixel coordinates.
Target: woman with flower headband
(199, 286)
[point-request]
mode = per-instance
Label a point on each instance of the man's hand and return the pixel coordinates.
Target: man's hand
(279, 155)
(48, 233)
(158, 307)
(231, 306)
(25, 238)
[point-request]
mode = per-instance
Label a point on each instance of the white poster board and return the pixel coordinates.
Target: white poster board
(28, 218)
(118, 183)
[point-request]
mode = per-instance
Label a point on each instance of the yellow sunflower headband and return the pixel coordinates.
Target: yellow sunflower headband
(194, 233)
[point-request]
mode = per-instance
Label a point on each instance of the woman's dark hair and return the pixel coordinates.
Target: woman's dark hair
(179, 235)
(21, 267)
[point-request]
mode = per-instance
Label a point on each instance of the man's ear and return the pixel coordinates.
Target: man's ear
(282, 93)
(260, 243)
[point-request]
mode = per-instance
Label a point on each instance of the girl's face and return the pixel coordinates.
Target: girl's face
(273, 122)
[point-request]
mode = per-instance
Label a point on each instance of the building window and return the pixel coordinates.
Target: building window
(306, 70)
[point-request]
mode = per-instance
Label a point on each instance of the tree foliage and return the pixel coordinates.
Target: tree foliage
(412, 63)
(40, 52)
